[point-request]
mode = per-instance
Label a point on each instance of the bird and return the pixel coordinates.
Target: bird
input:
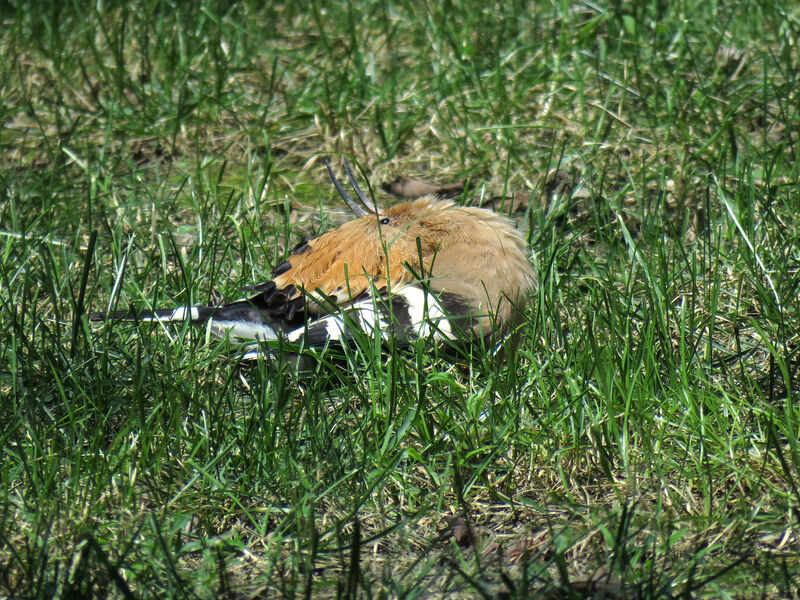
(425, 269)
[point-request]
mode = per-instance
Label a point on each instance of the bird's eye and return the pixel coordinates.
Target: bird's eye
(384, 221)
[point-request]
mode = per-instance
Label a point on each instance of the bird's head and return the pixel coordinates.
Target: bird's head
(407, 228)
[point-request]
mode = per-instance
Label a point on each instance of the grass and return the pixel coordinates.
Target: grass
(642, 442)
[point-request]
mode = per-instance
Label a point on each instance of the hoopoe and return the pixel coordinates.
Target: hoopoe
(425, 268)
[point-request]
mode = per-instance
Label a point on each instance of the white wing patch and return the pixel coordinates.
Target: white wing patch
(179, 314)
(364, 313)
(425, 313)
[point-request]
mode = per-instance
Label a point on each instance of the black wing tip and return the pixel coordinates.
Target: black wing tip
(265, 287)
(281, 268)
(301, 247)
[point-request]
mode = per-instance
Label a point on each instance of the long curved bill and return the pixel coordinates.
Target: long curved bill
(361, 196)
(358, 210)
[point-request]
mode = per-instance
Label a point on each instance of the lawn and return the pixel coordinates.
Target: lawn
(643, 440)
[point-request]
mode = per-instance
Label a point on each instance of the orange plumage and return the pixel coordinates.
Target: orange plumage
(472, 253)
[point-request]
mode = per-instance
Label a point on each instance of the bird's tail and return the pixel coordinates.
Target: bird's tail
(238, 320)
